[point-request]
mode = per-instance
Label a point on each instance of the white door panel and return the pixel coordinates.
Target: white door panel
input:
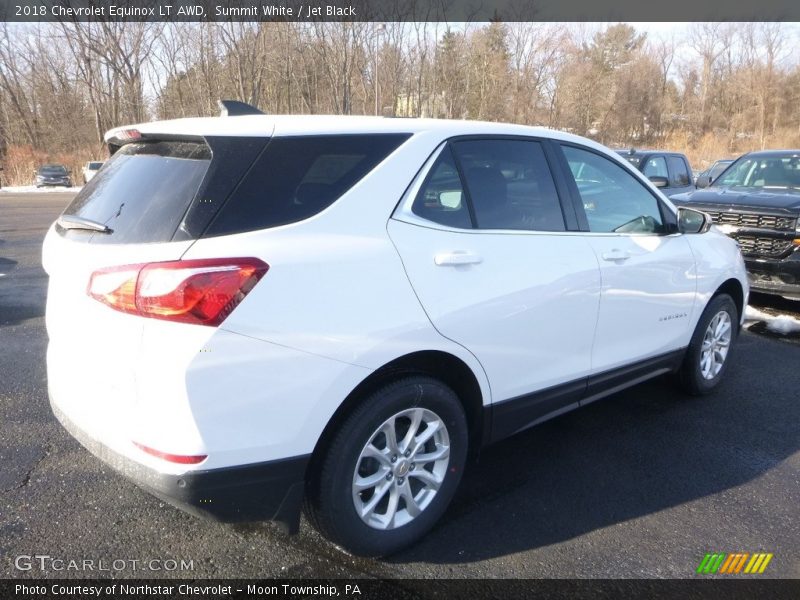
(648, 295)
(525, 304)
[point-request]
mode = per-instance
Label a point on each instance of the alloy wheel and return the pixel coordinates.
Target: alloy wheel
(716, 344)
(401, 468)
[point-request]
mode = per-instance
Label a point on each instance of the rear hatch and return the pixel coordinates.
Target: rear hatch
(149, 203)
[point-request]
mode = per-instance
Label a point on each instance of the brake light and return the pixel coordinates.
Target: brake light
(128, 135)
(181, 459)
(201, 291)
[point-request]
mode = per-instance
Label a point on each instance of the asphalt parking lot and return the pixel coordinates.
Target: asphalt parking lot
(642, 484)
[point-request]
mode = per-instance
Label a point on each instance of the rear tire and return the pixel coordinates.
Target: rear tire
(709, 351)
(373, 495)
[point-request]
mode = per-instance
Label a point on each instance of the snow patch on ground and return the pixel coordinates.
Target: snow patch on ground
(32, 189)
(783, 324)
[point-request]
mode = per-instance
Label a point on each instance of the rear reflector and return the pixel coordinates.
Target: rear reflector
(173, 458)
(202, 292)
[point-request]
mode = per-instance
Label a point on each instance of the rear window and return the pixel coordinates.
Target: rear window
(298, 177)
(143, 191)
(634, 159)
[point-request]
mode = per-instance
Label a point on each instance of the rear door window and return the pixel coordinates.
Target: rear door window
(510, 185)
(143, 191)
(678, 171)
(298, 177)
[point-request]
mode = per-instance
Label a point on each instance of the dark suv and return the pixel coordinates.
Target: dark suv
(669, 171)
(757, 202)
(52, 175)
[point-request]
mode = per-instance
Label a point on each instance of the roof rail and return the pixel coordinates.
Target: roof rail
(234, 108)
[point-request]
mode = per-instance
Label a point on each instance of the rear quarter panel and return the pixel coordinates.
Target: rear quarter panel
(336, 286)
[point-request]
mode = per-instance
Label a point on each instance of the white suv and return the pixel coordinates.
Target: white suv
(90, 169)
(251, 313)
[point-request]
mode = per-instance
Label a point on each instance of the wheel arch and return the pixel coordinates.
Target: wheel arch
(733, 287)
(446, 367)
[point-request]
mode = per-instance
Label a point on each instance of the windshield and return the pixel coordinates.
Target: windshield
(718, 168)
(53, 170)
(93, 166)
(764, 172)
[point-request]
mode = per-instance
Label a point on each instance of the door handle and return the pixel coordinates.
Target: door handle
(616, 255)
(454, 259)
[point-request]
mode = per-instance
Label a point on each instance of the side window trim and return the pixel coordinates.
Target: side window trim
(403, 206)
(464, 183)
(572, 187)
(403, 210)
(667, 217)
(557, 162)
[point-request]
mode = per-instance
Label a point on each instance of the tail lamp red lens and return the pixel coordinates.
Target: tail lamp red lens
(201, 291)
(180, 459)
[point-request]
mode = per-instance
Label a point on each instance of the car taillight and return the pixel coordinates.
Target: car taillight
(128, 135)
(201, 291)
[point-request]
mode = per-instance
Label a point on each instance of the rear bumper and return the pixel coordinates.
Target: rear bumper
(270, 490)
(781, 277)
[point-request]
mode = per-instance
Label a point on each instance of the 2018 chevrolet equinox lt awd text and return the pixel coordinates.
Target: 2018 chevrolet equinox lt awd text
(252, 314)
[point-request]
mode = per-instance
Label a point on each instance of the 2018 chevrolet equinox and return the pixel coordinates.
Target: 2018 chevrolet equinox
(252, 314)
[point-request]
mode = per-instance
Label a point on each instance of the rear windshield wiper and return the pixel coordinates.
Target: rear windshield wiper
(73, 222)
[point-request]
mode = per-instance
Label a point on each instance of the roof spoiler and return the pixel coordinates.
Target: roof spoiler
(234, 108)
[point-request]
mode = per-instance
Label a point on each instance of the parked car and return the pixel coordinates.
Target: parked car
(90, 169)
(757, 202)
(669, 171)
(52, 175)
(248, 312)
(707, 177)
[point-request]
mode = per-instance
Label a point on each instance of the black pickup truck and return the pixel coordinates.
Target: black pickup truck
(757, 202)
(669, 171)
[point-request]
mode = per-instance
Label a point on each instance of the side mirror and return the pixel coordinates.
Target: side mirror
(658, 181)
(450, 199)
(693, 221)
(703, 182)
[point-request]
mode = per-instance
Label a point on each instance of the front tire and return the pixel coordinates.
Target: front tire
(709, 351)
(391, 469)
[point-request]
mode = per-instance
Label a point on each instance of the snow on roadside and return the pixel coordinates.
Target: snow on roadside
(783, 324)
(32, 189)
